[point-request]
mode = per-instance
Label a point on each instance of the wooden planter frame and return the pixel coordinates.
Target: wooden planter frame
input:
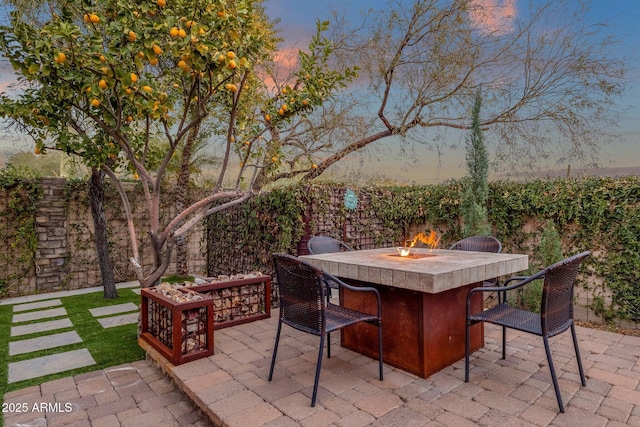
(171, 346)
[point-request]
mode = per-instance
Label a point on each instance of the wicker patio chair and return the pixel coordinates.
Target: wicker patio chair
(478, 244)
(481, 244)
(555, 317)
(304, 306)
(325, 245)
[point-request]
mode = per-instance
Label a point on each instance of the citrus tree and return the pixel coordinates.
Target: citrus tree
(126, 85)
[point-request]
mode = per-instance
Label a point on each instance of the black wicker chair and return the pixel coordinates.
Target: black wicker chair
(304, 306)
(555, 317)
(325, 245)
(478, 244)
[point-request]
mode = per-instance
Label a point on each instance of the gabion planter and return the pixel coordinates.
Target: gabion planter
(180, 331)
(238, 301)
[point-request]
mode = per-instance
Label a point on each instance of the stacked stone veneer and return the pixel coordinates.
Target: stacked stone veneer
(51, 221)
(65, 257)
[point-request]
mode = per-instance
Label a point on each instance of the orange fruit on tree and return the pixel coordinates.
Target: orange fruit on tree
(173, 32)
(231, 55)
(37, 150)
(102, 58)
(140, 54)
(94, 18)
(102, 84)
(131, 36)
(153, 61)
(182, 33)
(156, 49)
(95, 102)
(134, 77)
(161, 3)
(231, 87)
(147, 89)
(274, 159)
(232, 64)
(267, 117)
(61, 58)
(86, 18)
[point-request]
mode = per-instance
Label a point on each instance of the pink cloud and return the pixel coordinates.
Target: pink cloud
(493, 16)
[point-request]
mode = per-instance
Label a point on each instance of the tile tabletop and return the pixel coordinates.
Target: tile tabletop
(425, 270)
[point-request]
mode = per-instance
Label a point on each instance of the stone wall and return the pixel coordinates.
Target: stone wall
(65, 257)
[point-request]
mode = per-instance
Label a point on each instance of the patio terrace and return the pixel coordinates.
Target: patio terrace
(231, 386)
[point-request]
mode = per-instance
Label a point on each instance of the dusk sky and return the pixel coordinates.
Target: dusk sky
(298, 23)
(622, 18)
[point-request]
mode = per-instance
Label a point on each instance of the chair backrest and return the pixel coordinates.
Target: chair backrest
(302, 294)
(478, 244)
(325, 245)
(556, 309)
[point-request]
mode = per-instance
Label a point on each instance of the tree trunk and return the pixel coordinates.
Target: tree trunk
(96, 198)
(182, 200)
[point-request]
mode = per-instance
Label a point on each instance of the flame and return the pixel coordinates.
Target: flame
(431, 240)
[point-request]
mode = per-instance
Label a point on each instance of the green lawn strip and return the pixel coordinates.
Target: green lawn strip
(108, 347)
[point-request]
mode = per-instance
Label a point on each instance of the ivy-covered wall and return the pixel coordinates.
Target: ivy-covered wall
(597, 214)
(593, 213)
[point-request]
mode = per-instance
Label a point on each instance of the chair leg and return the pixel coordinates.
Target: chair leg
(318, 366)
(556, 387)
(380, 351)
(504, 343)
(575, 346)
(328, 345)
(466, 352)
(275, 351)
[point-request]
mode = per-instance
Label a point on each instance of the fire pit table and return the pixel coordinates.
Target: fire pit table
(423, 301)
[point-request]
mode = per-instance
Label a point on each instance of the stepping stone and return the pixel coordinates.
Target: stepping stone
(43, 343)
(36, 305)
(37, 315)
(51, 364)
(113, 309)
(123, 319)
(32, 328)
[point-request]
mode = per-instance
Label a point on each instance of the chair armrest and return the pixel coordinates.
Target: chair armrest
(522, 280)
(340, 283)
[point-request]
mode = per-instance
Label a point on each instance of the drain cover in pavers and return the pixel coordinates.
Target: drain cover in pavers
(43, 343)
(40, 314)
(123, 319)
(51, 364)
(36, 305)
(32, 328)
(113, 309)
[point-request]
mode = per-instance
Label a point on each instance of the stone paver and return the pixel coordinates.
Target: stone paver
(123, 319)
(43, 343)
(32, 328)
(99, 405)
(38, 315)
(36, 305)
(113, 309)
(51, 364)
